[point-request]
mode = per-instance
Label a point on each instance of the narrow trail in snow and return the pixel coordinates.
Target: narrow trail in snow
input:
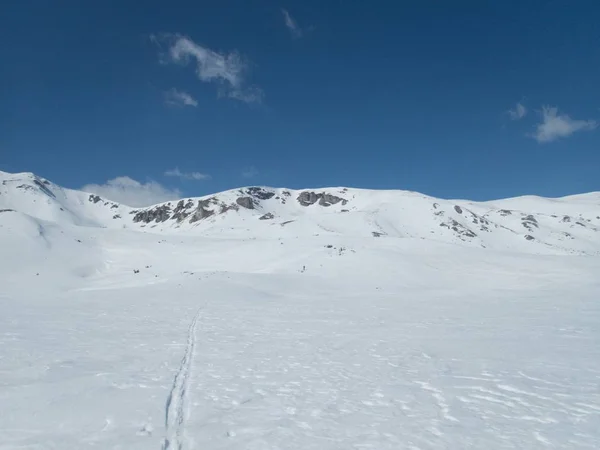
(175, 414)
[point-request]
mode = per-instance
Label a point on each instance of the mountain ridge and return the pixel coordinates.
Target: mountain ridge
(528, 224)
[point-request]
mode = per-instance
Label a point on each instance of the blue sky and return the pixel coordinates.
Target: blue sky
(153, 100)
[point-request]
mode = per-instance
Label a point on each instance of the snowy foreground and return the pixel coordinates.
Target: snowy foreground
(268, 319)
(227, 344)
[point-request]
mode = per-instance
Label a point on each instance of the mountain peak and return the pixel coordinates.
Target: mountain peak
(570, 225)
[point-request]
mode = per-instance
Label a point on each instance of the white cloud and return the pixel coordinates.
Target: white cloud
(130, 192)
(291, 24)
(186, 175)
(518, 112)
(555, 125)
(179, 98)
(250, 172)
(227, 69)
(249, 95)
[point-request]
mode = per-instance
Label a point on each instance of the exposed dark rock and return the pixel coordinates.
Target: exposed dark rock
(307, 198)
(201, 211)
(566, 219)
(529, 237)
(245, 202)
(260, 193)
(505, 212)
(94, 198)
(481, 219)
(376, 234)
(328, 200)
(157, 214)
(286, 193)
(225, 208)
(286, 222)
(579, 223)
(458, 209)
(436, 205)
(530, 222)
(345, 210)
(458, 228)
(180, 212)
(114, 205)
(267, 216)
(44, 188)
(310, 198)
(116, 216)
(6, 210)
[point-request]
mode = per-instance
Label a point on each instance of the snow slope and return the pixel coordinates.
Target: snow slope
(526, 224)
(232, 332)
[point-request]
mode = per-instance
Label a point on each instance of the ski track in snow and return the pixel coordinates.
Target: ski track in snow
(175, 410)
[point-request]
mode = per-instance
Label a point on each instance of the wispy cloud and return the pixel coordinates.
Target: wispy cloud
(291, 24)
(186, 175)
(130, 192)
(518, 112)
(179, 98)
(554, 125)
(248, 95)
(228, 70)
(250, 172)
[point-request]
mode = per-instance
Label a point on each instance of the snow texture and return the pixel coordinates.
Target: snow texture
(347, 319)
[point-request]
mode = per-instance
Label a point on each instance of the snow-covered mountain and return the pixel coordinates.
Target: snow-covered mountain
(525, 224)
(322, 319)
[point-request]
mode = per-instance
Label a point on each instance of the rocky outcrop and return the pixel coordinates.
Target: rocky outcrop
(202, 211)
(245, 202)
(157, 214)
(307, 198)
(43, 185)
(328, 200)
(225, 208)
(480, 221)
(180, 213)
(94, 198)
(461, 231)
(259, 193)
(267, 216)
(530, 222)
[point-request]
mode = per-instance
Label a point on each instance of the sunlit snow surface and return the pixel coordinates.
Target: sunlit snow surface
(309, 342)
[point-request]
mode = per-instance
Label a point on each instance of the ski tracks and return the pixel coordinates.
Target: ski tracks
(175, 409)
